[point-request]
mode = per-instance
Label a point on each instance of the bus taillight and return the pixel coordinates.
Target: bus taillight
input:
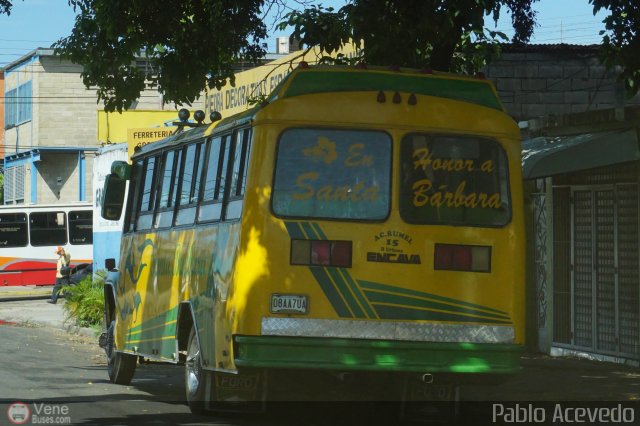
(453, 257)
(321, 253)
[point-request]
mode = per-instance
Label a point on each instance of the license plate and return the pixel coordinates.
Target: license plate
(289, 304)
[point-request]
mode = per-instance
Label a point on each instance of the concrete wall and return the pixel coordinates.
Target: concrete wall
(537, 81)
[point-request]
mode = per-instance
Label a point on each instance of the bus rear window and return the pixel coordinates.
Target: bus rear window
(333, 174)
(454, 180)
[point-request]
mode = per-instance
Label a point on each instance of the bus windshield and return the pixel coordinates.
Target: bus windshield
(333, 174)
(454, 180)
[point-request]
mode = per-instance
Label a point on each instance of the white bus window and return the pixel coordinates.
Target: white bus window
(190, 185)
(80, 227)
(145, 211)
(13, 230)
(211, 206)
(242, 141)
(46, 229)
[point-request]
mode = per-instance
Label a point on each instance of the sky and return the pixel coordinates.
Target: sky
(38, 23)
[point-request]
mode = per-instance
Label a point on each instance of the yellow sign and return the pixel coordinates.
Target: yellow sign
(261, 81)
(113, 126)
(139, 137)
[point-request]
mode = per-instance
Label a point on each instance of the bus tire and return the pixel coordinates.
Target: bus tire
(120, 366)
(194, 376)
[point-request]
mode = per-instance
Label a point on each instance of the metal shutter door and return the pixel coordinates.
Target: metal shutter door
(582, 269)
(628, 277)
(605, 271)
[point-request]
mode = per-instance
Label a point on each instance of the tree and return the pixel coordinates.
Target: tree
(621, 39)
(5, 7)
(195, 43)
(448, 35)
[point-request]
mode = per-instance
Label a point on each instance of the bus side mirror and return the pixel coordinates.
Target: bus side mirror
(113, 197)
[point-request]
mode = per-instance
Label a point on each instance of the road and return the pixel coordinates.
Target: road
(50, 369)
(46, 367)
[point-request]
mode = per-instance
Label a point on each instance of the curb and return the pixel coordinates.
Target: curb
(26, 293)
(19, 294)
(12, 298)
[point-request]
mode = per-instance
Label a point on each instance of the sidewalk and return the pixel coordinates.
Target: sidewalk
(28, 305)
(21, 292)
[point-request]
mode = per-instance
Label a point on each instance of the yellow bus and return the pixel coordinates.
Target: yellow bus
(358, 222)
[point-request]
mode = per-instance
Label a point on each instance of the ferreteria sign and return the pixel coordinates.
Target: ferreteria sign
(139, 137)
(261, 81)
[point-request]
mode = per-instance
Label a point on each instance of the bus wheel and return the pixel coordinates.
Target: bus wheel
(194, 377)
(120, 366)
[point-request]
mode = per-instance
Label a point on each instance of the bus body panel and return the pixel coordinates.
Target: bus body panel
(162, 269)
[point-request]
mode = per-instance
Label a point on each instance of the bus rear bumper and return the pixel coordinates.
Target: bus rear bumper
(376, 355)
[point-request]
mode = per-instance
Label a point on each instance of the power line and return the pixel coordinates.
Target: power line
(27, 41)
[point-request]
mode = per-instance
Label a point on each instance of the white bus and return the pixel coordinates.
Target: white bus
(29, 235)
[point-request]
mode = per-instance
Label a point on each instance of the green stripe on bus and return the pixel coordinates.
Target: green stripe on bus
(165, 317)
(330, 292)
(412, 302)
(314, 232)
(358, 293)
(318, 231)
(476, 92)
(147, 329)
(368, 285)
(346, 294)
(311, 233)
(403, 313)
(294, 230)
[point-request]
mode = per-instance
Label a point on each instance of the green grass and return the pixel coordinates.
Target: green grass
(84, 302)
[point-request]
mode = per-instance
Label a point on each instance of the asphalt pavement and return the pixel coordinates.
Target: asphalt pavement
(542, 378)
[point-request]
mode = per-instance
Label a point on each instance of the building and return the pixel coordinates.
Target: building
(583, 172)
(51, 129)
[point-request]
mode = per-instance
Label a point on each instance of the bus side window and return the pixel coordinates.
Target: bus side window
(242, 143)
(48, 229)
(213, 191)
(190, 184)
(134, 196)
(168, 190)
(13, 230)
(147, 194)
(81, 227)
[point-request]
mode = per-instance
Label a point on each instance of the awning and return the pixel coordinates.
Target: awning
(553, 155)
